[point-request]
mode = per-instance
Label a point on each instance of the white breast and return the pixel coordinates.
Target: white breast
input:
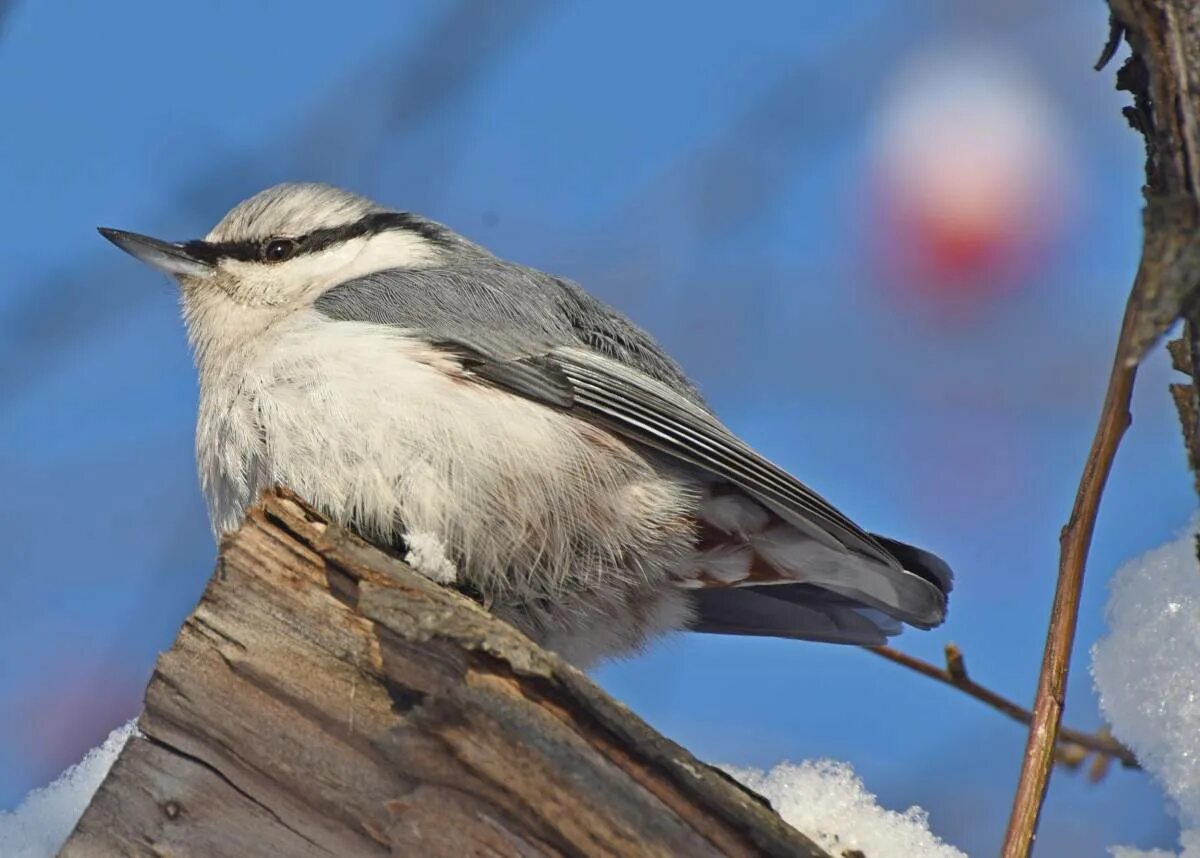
(379, 430)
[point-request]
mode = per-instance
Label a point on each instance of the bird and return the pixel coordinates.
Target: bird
(505, 433)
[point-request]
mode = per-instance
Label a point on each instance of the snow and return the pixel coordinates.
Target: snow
(1145, 672)
(40, 825)
(828, 802)
(1189, 842)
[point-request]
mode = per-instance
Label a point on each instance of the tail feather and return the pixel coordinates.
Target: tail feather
(758, 574)
(844, 599)
(806, 594)
(898, 592)
(756, 611)
(920, 562)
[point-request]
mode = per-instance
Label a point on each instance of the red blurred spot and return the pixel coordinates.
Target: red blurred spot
(927, 251)
(968, 185)
(956, 251)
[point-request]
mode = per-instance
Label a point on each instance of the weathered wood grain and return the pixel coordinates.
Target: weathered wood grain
(323, 699)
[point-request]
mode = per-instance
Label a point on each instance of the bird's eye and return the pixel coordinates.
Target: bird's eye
(278, 249)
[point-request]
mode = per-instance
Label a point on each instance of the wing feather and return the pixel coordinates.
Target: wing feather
(650, 412)
(639, 408)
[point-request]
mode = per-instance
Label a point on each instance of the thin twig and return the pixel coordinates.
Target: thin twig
(955, 675)
(1162, 74)
(1074, 541)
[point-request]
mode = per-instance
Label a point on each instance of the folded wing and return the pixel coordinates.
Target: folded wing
(805, 539)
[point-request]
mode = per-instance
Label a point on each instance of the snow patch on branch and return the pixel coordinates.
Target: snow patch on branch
(41, 823)
(830, 804)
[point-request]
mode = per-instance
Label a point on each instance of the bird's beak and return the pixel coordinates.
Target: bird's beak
(174, 259)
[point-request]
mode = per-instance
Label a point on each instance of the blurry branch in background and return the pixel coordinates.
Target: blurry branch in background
(434, 78)
(6, 7)
(706, 196)
(343, 132)
(1163, 74)
(729, 181)
(387, 108)
(1074, 746)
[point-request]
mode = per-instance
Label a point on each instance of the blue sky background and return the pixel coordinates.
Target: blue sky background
(705, 168)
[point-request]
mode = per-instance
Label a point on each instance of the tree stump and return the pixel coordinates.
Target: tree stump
(324, 699)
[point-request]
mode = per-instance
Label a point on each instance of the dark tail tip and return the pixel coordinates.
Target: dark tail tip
(920, 562)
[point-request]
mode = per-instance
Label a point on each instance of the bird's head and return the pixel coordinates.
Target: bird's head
(279, 250)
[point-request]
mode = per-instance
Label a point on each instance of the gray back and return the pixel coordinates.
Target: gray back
(501, 309)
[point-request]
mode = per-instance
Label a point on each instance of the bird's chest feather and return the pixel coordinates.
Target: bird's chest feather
(385, 433)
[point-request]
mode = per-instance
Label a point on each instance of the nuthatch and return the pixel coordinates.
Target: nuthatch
(509, 433)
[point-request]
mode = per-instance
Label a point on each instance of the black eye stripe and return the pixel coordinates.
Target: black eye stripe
(252, 250)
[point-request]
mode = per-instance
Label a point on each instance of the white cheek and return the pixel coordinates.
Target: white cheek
(254, 284)
(312, 273)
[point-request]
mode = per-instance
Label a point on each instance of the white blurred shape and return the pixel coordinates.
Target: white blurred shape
(828, 802)
(42, 822)
(1189, 842)
(969, 153)
(1146, 671)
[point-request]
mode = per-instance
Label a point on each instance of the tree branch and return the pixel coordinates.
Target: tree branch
(324, 699)
(1163, 74)
(1070, 742)
(1074, 543)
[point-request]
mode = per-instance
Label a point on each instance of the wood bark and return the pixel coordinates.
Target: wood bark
(324, 699)
(1163, 75)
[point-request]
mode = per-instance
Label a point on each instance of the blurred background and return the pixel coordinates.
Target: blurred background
(890, 240)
